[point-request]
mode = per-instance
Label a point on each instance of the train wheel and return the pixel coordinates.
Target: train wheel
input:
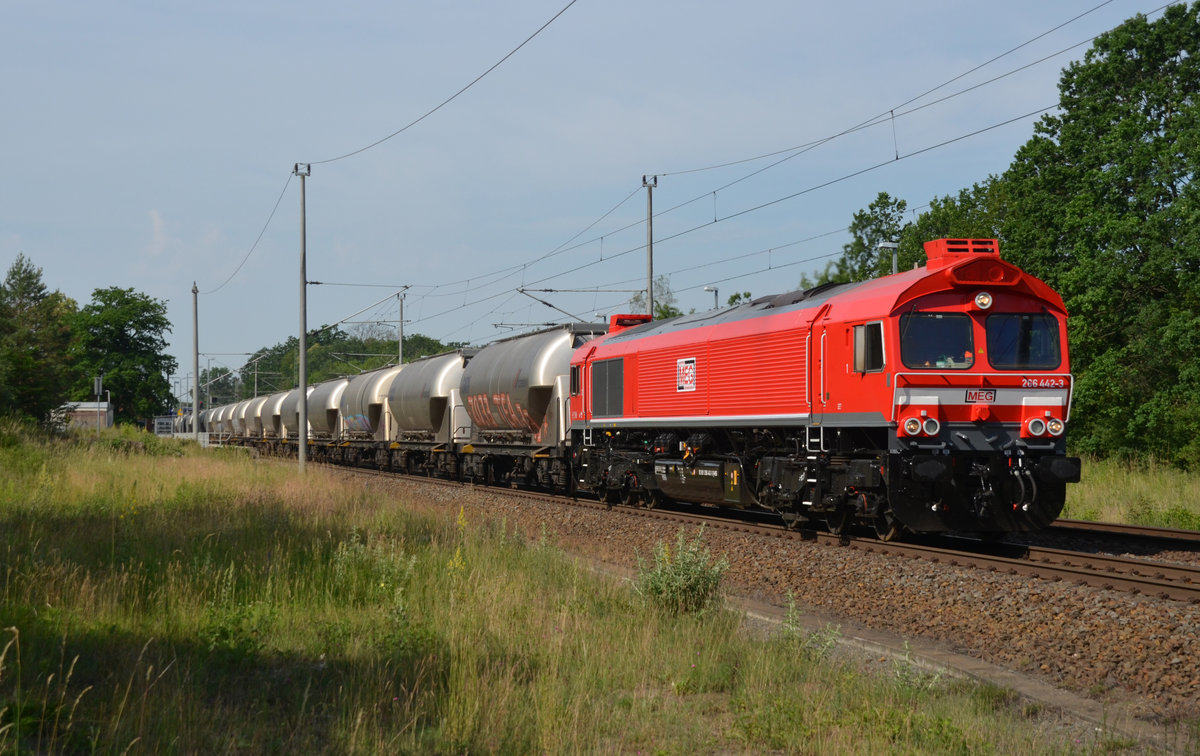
(840, 521)
(610, 494)
(631, 495)
(886, 527)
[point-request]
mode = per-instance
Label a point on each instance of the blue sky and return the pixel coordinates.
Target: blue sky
(146, 146)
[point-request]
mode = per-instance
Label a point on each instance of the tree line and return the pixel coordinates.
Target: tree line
(51, 349)
(332, 352)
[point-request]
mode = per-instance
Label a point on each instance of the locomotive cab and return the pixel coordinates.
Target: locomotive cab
(982, 396)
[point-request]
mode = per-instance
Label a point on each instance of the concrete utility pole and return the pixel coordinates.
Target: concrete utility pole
(195, 365)
(400, 330)
(653, 182)
(302, 444)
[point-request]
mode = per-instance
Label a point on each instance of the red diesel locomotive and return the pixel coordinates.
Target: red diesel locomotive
(931, 400)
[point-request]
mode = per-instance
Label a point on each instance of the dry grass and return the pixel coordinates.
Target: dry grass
(208, 603)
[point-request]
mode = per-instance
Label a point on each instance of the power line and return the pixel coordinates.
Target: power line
(884, 117)
(441, 105)
(254, 246)
(452, 97)
(802, 192)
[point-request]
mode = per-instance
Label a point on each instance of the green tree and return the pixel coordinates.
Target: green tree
(331, 353)
(120, 334)
(221, 384)
(861, 258)
(265, 369)
(881, 222)
(664, 300)
(975, 213)
(36, 371)
(1103, 205)
(418, 345)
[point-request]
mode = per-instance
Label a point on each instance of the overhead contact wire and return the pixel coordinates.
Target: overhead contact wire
(254, 246)
(454, 96)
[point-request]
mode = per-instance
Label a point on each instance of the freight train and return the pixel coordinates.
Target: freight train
(928, 401)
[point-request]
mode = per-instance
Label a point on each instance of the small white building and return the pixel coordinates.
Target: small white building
(85, 415)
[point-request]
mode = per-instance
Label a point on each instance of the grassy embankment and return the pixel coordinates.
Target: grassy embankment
(157, 599)
(1137, 493)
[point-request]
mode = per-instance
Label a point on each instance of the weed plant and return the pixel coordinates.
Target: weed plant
(687, 580)
(176, 600)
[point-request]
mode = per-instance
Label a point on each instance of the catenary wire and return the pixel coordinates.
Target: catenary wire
(885, 114)
(877, 120)
(254, 246)
(452, 97)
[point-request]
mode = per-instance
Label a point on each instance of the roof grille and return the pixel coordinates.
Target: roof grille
(942, 252)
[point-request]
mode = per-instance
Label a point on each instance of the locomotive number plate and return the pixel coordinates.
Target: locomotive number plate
(1044, 382)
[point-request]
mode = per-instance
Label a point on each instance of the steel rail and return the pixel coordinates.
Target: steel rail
(1085, 527)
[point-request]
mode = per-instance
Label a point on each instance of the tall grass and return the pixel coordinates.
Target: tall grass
(1136, 492)
(161, 599)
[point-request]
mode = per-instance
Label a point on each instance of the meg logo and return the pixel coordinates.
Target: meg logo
(981, 396)
(685, 374)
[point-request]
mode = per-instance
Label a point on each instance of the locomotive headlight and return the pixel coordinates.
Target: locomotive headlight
(912, 426)
(1055, 426)
(983, 300)
(931, 426)
(1036, 426)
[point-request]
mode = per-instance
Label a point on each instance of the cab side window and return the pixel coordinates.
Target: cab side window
(868, 348)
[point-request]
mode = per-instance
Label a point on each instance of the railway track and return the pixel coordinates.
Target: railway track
(1169, 535)
(1178, 582)
(1118, 573)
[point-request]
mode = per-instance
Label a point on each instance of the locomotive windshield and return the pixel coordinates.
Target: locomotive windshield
(1023, 341)
(936, 340)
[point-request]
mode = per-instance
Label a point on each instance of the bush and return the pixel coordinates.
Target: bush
(687, 582)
